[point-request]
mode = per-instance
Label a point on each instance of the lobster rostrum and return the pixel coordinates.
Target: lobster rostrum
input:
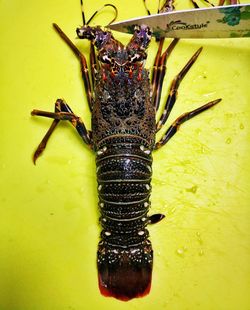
(123, 101)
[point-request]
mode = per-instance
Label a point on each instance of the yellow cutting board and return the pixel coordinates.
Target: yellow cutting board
(49, 218)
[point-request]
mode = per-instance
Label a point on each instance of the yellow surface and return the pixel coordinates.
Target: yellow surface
(49, 219)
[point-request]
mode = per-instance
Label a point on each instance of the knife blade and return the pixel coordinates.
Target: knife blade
(232, 21)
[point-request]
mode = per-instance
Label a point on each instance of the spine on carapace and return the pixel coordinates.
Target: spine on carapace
(124, 255)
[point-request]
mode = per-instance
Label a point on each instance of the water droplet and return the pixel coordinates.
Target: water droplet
(158, 253)
(192, 189)
(172, 210)
(181, 251)
(228, 141)
(242, 126)
(203, 149)
(201, 252)
(199, 238)
(228, 115)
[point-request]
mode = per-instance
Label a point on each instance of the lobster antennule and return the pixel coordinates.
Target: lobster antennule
(125, 274)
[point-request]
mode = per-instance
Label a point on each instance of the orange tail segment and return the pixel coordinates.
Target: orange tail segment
(125, 272)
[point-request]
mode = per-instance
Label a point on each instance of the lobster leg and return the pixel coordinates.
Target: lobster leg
(181, 119)
(160, 73)
(159, 67)
(174, 89)
(84, 66)
(62, 112)
(155, 71)
(93, 64)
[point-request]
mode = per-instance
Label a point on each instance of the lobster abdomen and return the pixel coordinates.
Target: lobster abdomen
(125, 254)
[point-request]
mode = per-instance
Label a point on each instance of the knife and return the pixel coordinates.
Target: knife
(232, 21)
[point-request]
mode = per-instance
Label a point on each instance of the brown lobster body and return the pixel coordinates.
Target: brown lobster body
(123, 124)
(123, 102)
(123, 132)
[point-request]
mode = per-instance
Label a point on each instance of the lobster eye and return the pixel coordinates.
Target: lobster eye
(136, 29)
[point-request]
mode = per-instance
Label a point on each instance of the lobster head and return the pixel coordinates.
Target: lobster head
(112, 54)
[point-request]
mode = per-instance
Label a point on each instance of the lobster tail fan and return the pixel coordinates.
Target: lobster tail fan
(124, 282)
(125, 274)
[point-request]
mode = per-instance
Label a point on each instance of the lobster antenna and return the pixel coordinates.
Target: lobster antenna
(98, 11)
(83, 15)
(209, 2)
(196, 5)
(144, 2)
(159, 4)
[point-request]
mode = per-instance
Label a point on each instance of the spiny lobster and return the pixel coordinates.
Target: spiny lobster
(123, 102)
